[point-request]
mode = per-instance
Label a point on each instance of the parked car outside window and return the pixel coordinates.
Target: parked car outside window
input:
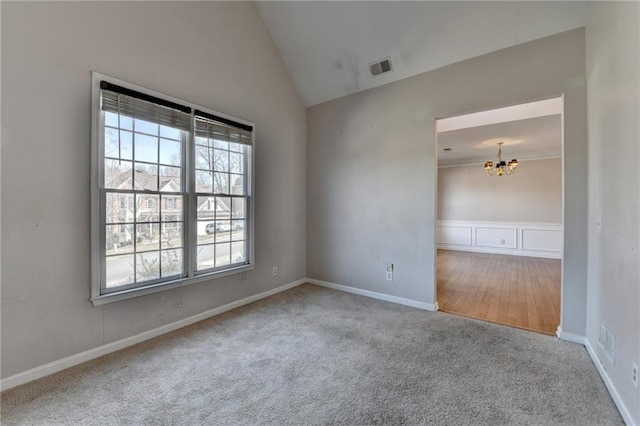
(215, 227)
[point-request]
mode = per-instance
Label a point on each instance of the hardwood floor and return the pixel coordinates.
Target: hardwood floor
(522, 292)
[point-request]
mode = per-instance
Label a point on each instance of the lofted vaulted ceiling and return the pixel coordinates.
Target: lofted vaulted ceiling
(327, 46)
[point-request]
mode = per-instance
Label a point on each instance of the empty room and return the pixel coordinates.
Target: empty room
(232, 213)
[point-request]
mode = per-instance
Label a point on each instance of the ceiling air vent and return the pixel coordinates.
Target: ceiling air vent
(380, 67)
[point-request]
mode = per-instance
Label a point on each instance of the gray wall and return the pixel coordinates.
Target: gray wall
(532, 194)
(372, 166)
(613, 73)
(218, 55)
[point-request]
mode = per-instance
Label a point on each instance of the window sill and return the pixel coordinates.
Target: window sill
(156, 288)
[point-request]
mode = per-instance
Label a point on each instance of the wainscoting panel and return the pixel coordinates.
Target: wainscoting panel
(460, 235)
(496, 237)
(514, 238)
(541, 239)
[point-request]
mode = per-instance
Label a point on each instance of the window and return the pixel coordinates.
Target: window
(166, 173)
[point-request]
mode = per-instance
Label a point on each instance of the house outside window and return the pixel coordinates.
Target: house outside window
(166, 173)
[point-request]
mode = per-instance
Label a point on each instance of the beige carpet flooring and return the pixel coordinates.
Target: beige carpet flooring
(313, 356)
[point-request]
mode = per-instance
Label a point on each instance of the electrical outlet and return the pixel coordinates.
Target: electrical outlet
(275, 271)
(389, 271)
(634, 374)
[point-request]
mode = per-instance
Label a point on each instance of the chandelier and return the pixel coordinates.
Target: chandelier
(501, 168)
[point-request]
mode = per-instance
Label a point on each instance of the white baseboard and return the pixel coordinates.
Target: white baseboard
(626, 416)
(576, 338)
(72, 360)
(570, 337)
(509, 252)
(375, 295)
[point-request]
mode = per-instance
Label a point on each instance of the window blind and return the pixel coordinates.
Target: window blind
(220, 128)
(138, 105)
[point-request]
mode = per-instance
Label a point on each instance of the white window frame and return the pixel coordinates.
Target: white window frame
(98, 217)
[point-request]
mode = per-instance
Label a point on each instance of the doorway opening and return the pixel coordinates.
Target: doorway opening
(499, 230)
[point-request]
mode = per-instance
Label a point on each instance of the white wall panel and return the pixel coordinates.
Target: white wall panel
(512, 238)
(454, 235)
(497, 237)
(542, 239)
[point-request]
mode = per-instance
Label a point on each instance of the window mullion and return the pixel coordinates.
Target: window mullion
(190, 213)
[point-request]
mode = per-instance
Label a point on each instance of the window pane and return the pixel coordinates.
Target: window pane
(171, 235)
(146, 148)
(203, 181)
(147, 237)
(238, 252)
(237, 184)
(147, 208)
(238, 208)
(236, 162)
(126, 122)
(221, 144)
(117, 174)
(126, 145)
(119, 270)
(202, 140)
(146, 127)
(223, 254)
(223, 230)
(119, 207)
(172, 208)
(114, 139)
(221, 160)
(203, 158)
(238, 229)
(221, 183)
(111, 144)
(206, 207)
(205, 257)
(170, 180)
(236, 147)
(223, 208)
(111, 119)
(147, 266)
(170, 152)
(171, 262)
(119, 239)
(206, 232)
(170, 132)
(146, 177)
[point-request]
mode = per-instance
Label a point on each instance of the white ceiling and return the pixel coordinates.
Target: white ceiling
(530, 138)
(528, 131)
(327, 46)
